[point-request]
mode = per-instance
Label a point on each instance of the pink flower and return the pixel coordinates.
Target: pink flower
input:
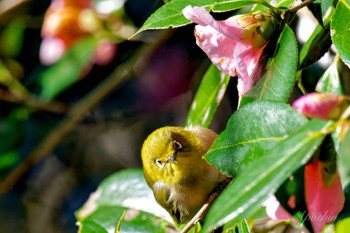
(234, 45)
(324, 195)
(326, 106)
(274, 210)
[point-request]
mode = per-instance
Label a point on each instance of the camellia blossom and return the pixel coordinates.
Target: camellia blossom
(234, 45)
(65, 23)
(275, 211)
(61, 28)
(326, 106)
(324, 197)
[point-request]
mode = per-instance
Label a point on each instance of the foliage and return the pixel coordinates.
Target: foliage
(266, 142)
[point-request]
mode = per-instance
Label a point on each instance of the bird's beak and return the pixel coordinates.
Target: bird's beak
(171, 158)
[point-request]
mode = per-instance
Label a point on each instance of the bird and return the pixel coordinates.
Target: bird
(174, 168)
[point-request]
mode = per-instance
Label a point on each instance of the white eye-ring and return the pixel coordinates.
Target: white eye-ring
(177, 145)
(160, 163)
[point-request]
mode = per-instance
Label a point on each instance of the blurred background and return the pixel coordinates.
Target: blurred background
(77, 99)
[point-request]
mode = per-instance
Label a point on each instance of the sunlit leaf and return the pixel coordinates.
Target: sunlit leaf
(330, 80)
(251, 131)
(278, 81)
(208, 97)
(340, 32)
(263, 176)
(342, 226)
(343, 160)
(170, 14)
(123, 191)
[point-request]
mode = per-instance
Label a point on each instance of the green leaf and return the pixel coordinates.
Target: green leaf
(123, 191)
(343, 225)
(68, 69)
(251, 131)
(222, 5)
(278, 81)
(11, 41)
(316, 10)
(208, 97)
(330, 80)
(340, 32)
(262, 177)
(282, 3)
(316, 46)
(91, 226)
(103, 219)
(12, 129)
(106, 219)
(128, 189)
(8, 159)
(170, 14)
(243, 227)
(343, 160)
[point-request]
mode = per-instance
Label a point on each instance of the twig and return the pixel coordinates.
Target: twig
(55, 107)
(200, 214)
(301, 5)
(120, 75)
(6, 6)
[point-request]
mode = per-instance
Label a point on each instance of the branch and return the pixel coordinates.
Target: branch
(55, 107)
(201, 213)
(301, 5)
(7, 6)
(119, 76)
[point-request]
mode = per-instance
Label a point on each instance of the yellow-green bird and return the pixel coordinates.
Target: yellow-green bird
(174, 169)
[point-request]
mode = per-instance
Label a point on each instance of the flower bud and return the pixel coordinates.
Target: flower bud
(258, 27)
(326, 106)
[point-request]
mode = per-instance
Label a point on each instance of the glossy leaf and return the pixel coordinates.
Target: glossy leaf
(282, 3)
(330, 80)
(251, 131)
(278, 81)
(208, 97)
(68, 69)
(121, 191)
(343, 160)
(106, 219)
(316, 46)
(170, 14)
(340, 32)
(243, 227)
(263, 176)
(128, 189)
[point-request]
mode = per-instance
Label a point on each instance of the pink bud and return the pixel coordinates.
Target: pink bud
(324, 199)
(326, 106)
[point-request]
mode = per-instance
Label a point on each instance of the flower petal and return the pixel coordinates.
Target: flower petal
(324, 202)
(200, 16)
(247, 62)
(218, 47)
(275, 211)
(230, 44)
(324, 106)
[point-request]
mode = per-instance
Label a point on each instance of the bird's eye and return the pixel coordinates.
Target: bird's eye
(159, 163)
(177, 145)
